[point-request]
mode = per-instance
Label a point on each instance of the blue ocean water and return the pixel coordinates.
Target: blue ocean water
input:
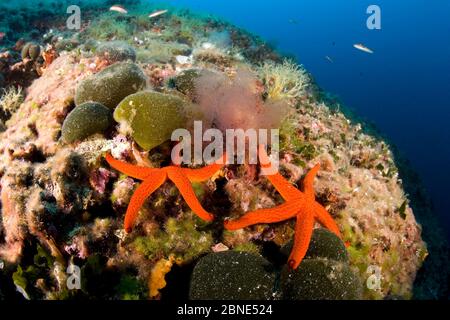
(403, 88)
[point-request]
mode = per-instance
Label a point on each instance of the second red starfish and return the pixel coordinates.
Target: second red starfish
(299, 205)
(153, 178)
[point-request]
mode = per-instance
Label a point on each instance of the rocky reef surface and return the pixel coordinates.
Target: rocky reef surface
(122, 84)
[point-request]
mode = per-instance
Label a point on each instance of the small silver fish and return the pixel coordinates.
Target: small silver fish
(329, 59)
(119, 9)
(157, 13)
(362, 47)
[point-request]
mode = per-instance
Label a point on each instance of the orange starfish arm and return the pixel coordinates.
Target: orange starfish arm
(280, 213)
(308, 182)
(203, 174)
(326, 220)
(133, 171)
(150, 185)
(286, 189)
(303, 232)
(184, 186)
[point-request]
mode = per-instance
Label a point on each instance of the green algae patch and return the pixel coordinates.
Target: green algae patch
(249, 247)
(111, 85)
(232, 275)
(86, 120)
(180, 239)
(151, 117)
(130, 288)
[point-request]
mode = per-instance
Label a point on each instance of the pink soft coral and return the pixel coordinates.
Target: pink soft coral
(236, 102)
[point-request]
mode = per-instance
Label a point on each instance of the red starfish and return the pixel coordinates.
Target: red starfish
(154, 178)
(300, 205)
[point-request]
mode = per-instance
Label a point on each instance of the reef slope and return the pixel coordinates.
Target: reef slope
(62, 204)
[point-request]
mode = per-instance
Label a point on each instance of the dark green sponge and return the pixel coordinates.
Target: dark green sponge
(320, 279)
(85, 120)
(232, 275)
(111, 85)
(31, 50)
(324, 244)
(116, 51)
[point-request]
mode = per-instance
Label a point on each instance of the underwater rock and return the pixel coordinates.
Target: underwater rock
(90, 45)
(111, 85)
(131, 288)
(321, 279)
(122, 192)
(211, 55)
(12, 216)
(150, 117)
(180, 238)
(85, 120)
(66, 44)
(232, 275)
(49, 99)
(324, 244)
(185, 82)
(31, 50)
(116, 51)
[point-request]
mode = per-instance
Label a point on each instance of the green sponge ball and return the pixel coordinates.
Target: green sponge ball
(85, 120)
(31, 50)
(111, 85)
(232, 275)
(116, 51)
(324, 244)
(320, 279)
(151, 117)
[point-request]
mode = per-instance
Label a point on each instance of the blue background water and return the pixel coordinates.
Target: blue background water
(404, 88)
